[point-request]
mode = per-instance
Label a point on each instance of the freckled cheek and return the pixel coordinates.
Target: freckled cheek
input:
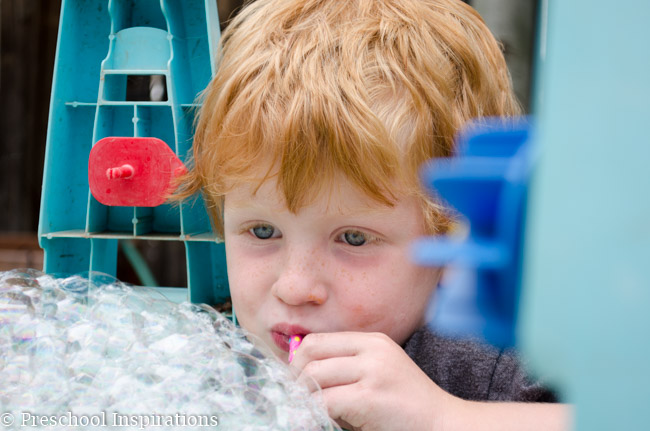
(248, 275)
(381, 294)
(360, 302)
(365, 314)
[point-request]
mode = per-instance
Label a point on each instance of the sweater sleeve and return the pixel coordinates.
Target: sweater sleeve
(472, 370)
(510, 382)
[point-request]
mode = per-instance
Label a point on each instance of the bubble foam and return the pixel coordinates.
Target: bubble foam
(92, 347)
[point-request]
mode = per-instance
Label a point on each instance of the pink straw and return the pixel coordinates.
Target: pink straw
(294, 342)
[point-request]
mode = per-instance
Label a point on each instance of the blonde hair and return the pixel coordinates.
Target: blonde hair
(370, 89)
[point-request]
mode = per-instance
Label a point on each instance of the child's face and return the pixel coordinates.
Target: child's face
(339, 264)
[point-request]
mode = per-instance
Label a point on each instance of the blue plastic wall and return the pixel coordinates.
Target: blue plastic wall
(586, 296)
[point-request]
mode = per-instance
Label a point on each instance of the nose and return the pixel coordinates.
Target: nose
(302, 279)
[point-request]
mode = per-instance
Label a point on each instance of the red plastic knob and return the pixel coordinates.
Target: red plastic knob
(125, 171)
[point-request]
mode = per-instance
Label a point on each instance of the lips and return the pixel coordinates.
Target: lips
(281, 332)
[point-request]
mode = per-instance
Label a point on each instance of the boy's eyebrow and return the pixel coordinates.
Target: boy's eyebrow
(379, 209)
(252, 203)
(337, 201)
(241, 204)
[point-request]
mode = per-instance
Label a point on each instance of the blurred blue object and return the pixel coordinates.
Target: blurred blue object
(487, 184)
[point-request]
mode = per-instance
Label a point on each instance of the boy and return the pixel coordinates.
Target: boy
(307, 151)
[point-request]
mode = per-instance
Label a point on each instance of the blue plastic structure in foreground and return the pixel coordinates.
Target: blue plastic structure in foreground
(584, 319)
(487, 184)
(103, 47)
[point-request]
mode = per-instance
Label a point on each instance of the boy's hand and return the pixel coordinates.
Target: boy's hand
(369, 383)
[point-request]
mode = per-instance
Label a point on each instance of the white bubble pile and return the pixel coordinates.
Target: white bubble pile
(93, 353)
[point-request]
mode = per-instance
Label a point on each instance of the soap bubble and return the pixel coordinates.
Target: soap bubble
(90, 345)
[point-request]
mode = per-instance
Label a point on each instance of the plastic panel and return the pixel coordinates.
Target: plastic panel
(584, 306)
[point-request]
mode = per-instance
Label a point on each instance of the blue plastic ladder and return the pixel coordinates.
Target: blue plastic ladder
(101, 44)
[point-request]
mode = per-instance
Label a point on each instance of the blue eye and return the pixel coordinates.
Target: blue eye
(354, 238)
(263, 231)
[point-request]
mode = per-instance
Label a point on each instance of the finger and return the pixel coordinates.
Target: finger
(343, 405)
(346, 426)
(332, 372)
(329, 345)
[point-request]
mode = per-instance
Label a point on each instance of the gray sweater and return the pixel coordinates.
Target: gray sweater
(473, 371)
